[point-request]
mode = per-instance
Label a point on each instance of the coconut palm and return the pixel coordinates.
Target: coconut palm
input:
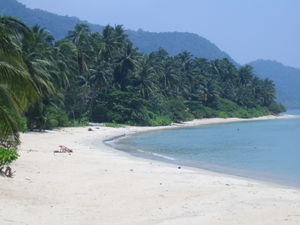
(113, 39)
(37, 55)
(146, 77)
(16, 85)
(80, 37)
(49, 72)
(125, 63)
(169, 76)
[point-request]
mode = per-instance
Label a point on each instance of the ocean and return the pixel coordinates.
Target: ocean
(266, 150)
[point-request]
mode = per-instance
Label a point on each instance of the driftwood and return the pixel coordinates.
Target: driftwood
(7, 172)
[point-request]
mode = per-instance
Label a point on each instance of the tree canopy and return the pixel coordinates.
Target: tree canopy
(101, 77)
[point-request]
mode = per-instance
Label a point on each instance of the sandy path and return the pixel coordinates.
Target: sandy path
(101, 186)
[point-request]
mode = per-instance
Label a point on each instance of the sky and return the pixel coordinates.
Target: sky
(245, 29)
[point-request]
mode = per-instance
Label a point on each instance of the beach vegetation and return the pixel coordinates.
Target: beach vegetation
(115, 125)
(7, 156)
(101, 77)
(276, 108)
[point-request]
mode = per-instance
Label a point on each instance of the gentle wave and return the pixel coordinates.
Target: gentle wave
(156, 154)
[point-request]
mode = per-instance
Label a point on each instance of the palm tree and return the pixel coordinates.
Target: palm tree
(37, 54)
(126, 62)
(16, 85)
(113, 39)
(269, 92)
(80, 37)
(100, 81)
(146, 77)
(169, 77)
(49, 72)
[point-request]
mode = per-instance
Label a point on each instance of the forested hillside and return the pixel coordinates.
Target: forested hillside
(286, 79)
(101, 77)
(172, 42)
(57, 25)
(176, 42)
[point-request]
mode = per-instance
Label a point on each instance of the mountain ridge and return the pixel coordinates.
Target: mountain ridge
(172, 42)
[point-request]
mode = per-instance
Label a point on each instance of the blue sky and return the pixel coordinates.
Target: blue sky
(246, 29)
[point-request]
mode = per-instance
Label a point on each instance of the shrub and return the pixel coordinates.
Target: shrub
(115, 125)
(276, 108)
(226, 105)
(160, 120)
(222, 114)
(56, 117)
(122, 107)
(21, 121)
(7, 156)
(206, 112)
(78, 123)
(177, 111)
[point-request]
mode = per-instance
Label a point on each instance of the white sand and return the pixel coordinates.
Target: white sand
(100, 186)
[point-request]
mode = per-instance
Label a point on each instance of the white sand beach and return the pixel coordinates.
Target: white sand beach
(97, 185)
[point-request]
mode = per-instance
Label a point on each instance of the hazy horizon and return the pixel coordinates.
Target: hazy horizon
(247, 30)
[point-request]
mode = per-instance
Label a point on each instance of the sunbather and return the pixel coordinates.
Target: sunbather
(65, 149)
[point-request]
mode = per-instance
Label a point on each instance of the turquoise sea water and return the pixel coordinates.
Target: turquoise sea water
(267, 150)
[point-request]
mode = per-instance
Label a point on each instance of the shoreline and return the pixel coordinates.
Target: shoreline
(208, 168)
(201, 122)
(99, 185)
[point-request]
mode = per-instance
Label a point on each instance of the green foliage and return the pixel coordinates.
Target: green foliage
(160, 120)
(78, 123)
(242, 112)
(276, 108)
(101, 77)
(16, 86)
(56, 117)
(21, 121)
(229, 109)
(115, 125)
(226, 105)
(122, 107)
(206, 112)
(7, 156)
(177, 111)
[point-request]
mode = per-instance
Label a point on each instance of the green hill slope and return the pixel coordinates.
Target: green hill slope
(172, 42)
(176, 42)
